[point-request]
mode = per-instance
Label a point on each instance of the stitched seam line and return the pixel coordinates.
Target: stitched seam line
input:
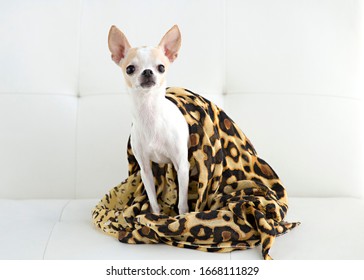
(51, 233)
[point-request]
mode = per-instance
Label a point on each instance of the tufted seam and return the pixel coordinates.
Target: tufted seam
(58, 221)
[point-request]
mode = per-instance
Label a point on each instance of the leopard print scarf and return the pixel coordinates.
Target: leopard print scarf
(236, 200)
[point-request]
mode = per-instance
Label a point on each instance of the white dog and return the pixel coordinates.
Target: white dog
(159, 132)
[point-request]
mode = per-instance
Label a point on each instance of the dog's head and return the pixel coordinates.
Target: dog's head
(144, 67)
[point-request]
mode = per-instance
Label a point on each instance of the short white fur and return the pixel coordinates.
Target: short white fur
(159, 131)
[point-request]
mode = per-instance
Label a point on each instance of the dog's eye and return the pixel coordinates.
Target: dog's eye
(130, 69)
(161, 68)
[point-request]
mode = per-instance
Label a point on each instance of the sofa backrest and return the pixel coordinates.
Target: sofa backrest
(289, 72)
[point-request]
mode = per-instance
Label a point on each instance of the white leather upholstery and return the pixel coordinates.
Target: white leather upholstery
(292, 85)
(289, 72)
(61, 229)
(37, 145)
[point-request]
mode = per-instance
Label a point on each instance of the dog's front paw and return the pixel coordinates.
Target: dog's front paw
(155, 209)
(183, 209)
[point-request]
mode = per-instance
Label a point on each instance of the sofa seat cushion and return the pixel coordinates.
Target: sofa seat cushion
(75, 237)
(331, 228)
(26, 226)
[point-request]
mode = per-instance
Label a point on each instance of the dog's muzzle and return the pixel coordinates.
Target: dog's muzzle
(147, 78)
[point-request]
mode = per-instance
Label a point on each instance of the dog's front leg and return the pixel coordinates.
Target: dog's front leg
(148, 181)
(183, 169)
(145, 171)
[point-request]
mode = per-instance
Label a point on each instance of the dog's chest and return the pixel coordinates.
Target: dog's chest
(158, 136)
(152, 141)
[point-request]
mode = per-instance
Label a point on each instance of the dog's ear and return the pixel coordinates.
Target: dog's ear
(171, 42)
(118, 44)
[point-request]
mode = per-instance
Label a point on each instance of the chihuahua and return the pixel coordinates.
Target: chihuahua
(159, 132)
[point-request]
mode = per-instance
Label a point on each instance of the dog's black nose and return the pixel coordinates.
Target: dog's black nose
(147, 73)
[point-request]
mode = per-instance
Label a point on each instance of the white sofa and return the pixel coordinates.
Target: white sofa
(289, 72)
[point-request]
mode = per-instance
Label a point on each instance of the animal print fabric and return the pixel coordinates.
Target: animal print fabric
(236, 200)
